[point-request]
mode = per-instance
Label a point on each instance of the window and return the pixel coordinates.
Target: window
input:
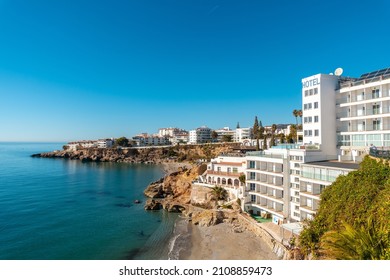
(251, 164)
(375, 109)
(316, 132)
(252, 186)
(296, 207)
(315, 119)
(311, 92)
(308, 133)
(306, 92)
(376, 125)
(315, 105)
(252, 176)
(315, 90)
(253, 198)
(375, 93)
(235, 170)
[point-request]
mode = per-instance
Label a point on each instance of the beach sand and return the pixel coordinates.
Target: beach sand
(220, 242)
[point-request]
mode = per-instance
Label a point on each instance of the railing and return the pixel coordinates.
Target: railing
(366, 81)
(379, 153)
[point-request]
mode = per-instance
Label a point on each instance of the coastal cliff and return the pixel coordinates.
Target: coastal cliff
(179, 153)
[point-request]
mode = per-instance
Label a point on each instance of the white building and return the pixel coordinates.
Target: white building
(105, 143)
(223, 132)
(200, 135)
(363, 113)
(242, 134)
(145, 139)
(170, 131)
(73, 146)
(315, 177)
(225, 171)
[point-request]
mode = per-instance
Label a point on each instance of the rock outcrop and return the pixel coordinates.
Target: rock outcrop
(174, 190)
(181, 153)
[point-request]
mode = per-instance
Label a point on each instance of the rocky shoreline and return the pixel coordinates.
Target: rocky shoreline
(181, 165)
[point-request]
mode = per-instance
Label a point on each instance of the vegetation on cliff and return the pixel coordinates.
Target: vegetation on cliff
(353, 219)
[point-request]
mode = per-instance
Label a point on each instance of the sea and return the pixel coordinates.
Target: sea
(59, 209)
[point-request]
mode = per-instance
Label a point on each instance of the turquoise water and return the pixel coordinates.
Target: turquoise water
(65, 209)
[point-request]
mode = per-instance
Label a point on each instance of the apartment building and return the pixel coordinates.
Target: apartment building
(200, 135)
(363, 113)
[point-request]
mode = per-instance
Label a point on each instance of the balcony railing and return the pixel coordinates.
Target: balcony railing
(221, 173)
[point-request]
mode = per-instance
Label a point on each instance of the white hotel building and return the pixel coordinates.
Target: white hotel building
(342, 116)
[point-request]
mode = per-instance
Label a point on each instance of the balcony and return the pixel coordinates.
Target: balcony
(227, 174)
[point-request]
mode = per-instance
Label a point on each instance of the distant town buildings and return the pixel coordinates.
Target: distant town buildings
(101, 143)
(200, 135)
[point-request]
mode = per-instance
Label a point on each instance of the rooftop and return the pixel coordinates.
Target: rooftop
(335, 164)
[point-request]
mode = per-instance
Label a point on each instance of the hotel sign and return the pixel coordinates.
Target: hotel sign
(310, 83)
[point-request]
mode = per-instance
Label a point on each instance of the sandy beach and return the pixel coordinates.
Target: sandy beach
(220, 242)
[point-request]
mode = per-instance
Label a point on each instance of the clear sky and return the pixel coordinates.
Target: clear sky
(76, 69)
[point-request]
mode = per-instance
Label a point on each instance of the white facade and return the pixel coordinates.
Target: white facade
(226, 131)
(241, 134)
(225, 171)
(145, 139)
(105, 143)
(200, 135)
(363, 113)
(319, 111)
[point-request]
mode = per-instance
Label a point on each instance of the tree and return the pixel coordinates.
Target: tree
(122, 141)
(214, 135)
(282, 138)
(353, 215)
(295, 114)
(273, 130)
(299, 113)
(293, 132)
(265, 142)
(261, 130)
(255, 132)
(242, 178)
(363, 243)
(218, 193)
(227, 138)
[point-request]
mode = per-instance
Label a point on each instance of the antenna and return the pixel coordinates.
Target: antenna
(338, 71)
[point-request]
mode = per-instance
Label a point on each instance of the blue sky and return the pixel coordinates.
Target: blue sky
(80, 69)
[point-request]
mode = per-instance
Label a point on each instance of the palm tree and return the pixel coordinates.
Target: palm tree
(369, 242)
(255, 132)
(295, 114)
(219, 193)
(300, 115)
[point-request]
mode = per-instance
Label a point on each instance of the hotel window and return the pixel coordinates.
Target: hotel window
(251, 164)
(316, 132)
(311, 92)
(306, 92)
(315, 90)
(296, 207)
(375, 109)
(252, 176)
(376, 125)
(252, 186)
(235, 170)
(315, 105)
(315, 118)
(309, 106)
(253, 198)
(375, 93)
(304, 106)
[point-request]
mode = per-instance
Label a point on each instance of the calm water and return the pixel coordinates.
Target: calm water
(64, 209)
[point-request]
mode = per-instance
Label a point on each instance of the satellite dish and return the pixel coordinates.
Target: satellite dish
(338, 71)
